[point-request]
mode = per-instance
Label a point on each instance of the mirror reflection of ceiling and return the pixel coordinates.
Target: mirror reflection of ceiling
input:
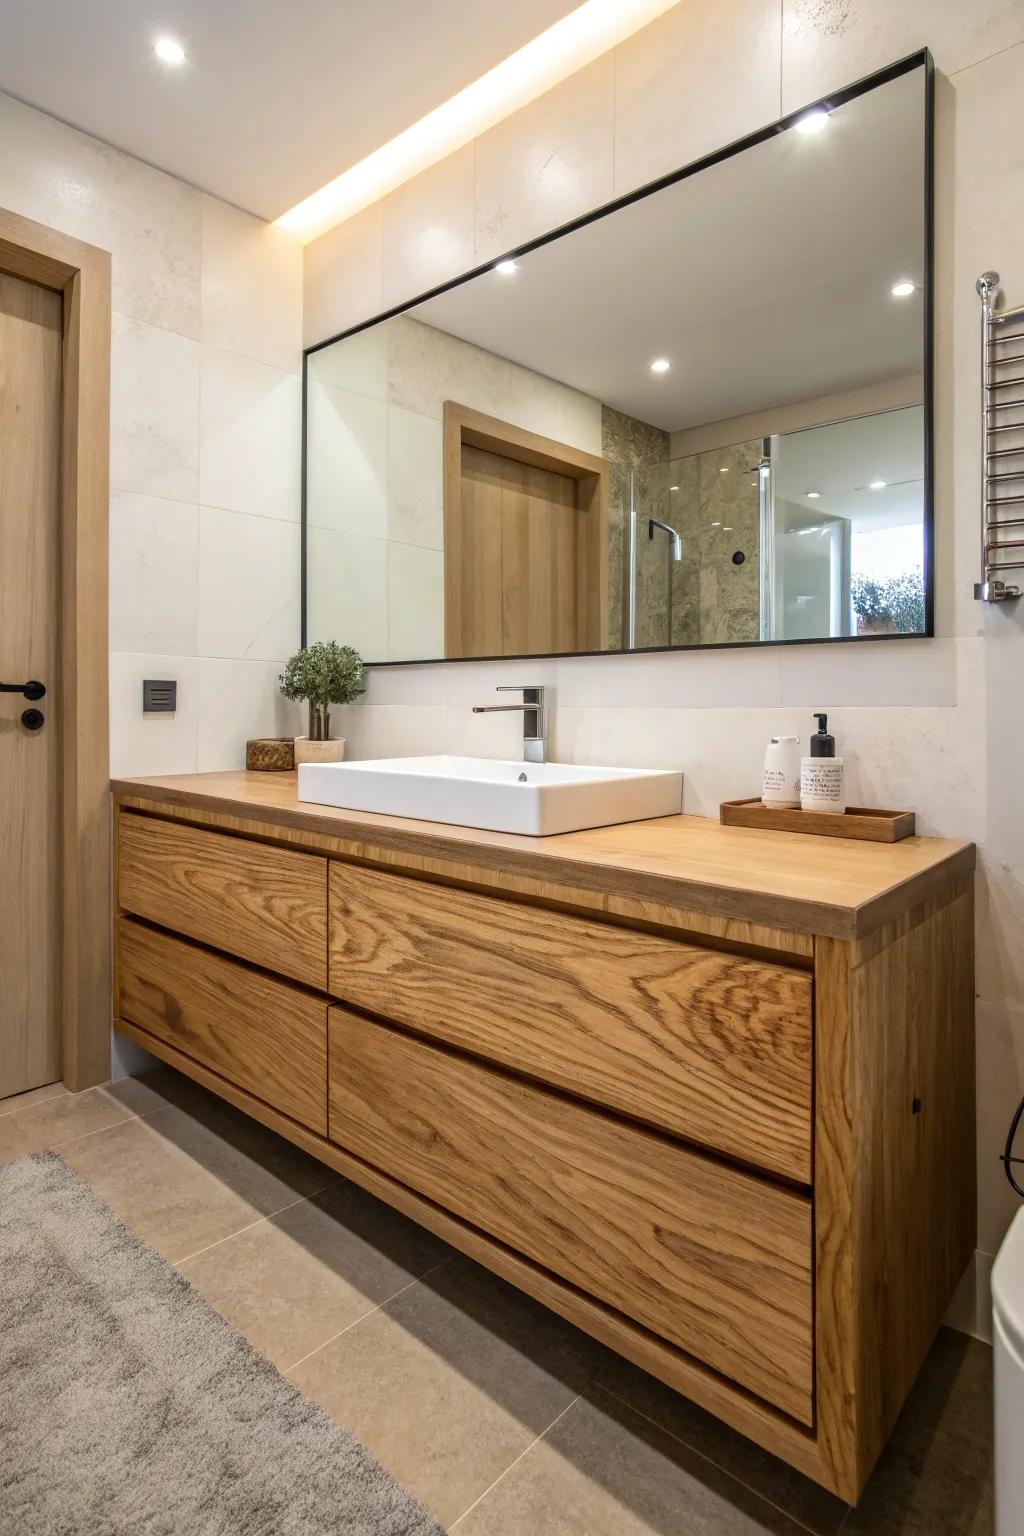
(765, 279)
(868, 469)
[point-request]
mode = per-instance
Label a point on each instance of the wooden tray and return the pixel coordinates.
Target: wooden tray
(858, 821)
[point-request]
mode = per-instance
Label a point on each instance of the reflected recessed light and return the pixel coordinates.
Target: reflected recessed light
(903, 290)
(727, 530)
(660, 365)
(169, 51)
(716, 525)
(723, 469)
(812, 122)
(878, 485)
(812, 495)
(506, 268)
(673, 487)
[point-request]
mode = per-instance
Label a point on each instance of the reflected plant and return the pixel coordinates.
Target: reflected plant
(895, 606)
(323, 674)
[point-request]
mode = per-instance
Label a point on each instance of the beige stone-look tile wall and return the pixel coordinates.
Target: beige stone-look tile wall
(205, 441)
(936, 725)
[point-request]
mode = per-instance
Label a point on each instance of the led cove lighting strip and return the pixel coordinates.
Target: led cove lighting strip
(578, 39)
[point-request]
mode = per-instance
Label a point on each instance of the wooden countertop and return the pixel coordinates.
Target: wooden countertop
(831, 886)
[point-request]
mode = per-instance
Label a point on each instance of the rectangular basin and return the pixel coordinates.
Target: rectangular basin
(535, 798)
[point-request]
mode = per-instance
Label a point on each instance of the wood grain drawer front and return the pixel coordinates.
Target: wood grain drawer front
(265, 904)
(711, 1046)
(713, 1259)
(263, 1035)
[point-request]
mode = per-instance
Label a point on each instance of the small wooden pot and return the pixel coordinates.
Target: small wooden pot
(308, 751)
(270, 754)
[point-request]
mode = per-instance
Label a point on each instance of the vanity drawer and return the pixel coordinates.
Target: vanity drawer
(263, 1035)
(713, 1259)
(711, 1046)
(265, 904)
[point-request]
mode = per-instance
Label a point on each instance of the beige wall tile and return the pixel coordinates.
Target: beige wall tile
(348, 590)
(346, 461)
(415, 479)
(251, 287)
(237, 700)
(341, 282)
(248, 585)
(250, 434)
(827, 44)
(698, 77)
(548, 163)
(142, 743)
(415, 602)
(154, 411)
(427, 229)
(153, 589)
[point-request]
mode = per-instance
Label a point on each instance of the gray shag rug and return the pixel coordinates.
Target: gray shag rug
(128, 1406)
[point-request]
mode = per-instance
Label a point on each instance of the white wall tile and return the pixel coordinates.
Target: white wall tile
(147, 743)
(881, 675)
(239, 700)
(154, 411)
(827, 44)
(153, 574)
(415, 603)
(346, 461)
(342, 277)
(415, 489)
(251, 286)
(427, 229)
(248, 585)
(348, 591)
(548, 163)
(674, 679)
(358, 363)
(396, 730)
(698, 77)
(249, 436)
(148, 221)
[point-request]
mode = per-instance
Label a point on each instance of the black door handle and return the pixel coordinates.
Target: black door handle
(31, 689)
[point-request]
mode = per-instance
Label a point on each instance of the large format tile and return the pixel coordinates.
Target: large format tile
(547, 163)
(249, 436)
(415, 489)
(251, 286)
(187, 1177)
(347, 590)
(415, 603)
(428, 229)
(248, 585)
(427, 367)
(292, 1283)
(604, 1470)
(18, 1101)
(154, 411)
(695, 79)
(451, 1381)
(347, 461)
(341, 282)
(153, 597)
(554, 410)
(807, 1502)
(55, 1119)
(827, 44)
(236, 701)
(148, 221)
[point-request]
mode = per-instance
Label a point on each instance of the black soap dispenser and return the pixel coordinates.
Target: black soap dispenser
(821, 773)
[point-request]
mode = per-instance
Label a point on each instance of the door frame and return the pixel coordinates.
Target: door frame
(80, 273)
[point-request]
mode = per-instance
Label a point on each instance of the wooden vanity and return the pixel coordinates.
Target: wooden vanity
(708, 1092)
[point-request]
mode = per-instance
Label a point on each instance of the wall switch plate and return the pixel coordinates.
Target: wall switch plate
(159, 697)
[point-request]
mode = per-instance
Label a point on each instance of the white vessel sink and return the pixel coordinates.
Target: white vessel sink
(535, 798)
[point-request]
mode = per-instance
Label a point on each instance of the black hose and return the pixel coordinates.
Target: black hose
(1007, 1159)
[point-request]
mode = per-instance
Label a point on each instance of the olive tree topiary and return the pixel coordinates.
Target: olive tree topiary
(323, 674)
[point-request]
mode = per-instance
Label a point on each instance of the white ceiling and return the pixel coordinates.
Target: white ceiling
(842, 459)
(764, 279)
(277, 96)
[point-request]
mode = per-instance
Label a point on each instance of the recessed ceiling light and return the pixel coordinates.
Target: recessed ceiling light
(813, 495)
(723, 469)
(506, 268)
(168, 51)
(903, 289)
(812, 122)
(716, 525)
(727, 530)
(673, 487)
(587, 33)
(878, 485)
(660, 365)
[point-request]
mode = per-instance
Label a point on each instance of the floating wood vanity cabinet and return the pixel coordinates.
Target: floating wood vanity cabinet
(708, 1092)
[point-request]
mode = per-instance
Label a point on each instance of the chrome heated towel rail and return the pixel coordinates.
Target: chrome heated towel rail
(1002, 445)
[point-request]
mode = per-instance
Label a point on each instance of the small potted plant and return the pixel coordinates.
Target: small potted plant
(322, 674)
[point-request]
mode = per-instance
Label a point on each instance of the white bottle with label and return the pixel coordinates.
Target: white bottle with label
(821, 774)
(780, 786)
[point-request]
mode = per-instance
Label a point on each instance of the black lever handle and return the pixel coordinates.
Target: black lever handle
(31, 689)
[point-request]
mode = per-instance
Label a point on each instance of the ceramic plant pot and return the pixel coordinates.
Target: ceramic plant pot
(309, 751)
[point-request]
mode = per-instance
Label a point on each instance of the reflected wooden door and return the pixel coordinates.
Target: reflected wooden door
(30, 394)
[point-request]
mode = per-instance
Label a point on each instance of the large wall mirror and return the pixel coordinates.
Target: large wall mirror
(699, 418)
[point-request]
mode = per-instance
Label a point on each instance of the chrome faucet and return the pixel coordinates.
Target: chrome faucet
(534, 723)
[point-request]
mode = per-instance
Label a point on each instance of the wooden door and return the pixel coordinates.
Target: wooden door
(30, 819)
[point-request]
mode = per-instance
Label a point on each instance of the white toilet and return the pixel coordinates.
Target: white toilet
(1008, 1343)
